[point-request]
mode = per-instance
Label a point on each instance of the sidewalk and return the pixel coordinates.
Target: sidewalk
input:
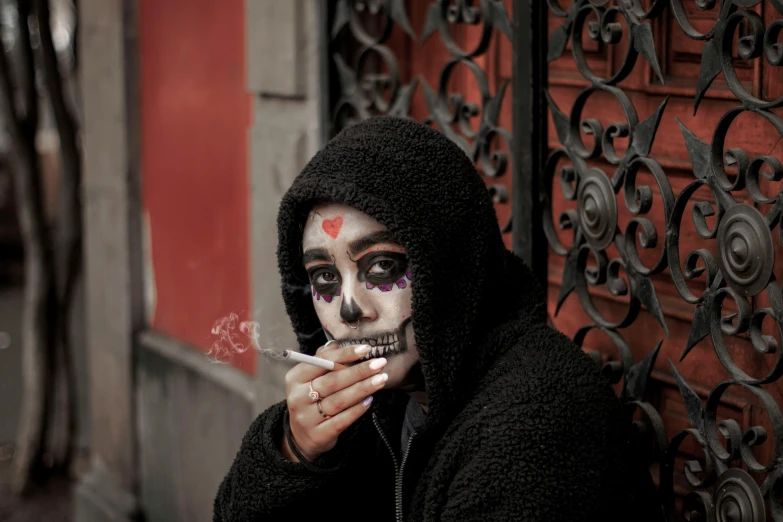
(51, 504)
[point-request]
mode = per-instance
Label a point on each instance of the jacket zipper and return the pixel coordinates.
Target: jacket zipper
(398, 470)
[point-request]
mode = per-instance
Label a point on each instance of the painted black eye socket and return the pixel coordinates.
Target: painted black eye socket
(381, 268)
(325, 281)
(327, 277)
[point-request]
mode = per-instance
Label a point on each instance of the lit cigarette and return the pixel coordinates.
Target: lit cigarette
(315, 361)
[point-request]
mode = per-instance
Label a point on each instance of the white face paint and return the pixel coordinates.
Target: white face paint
(361, 286)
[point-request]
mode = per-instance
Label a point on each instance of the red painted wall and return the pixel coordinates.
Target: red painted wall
(195, 112)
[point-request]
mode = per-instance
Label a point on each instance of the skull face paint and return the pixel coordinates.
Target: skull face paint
(361, 286)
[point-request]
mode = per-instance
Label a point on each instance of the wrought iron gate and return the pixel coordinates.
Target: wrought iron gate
(714, 240)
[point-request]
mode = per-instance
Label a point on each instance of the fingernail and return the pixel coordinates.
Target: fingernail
(377, 364)
(367, 401)
(363, 349)
(378, 379)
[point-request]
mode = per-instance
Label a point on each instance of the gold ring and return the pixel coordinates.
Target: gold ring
(320, 410)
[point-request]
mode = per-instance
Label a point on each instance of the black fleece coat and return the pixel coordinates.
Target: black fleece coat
(521, 425)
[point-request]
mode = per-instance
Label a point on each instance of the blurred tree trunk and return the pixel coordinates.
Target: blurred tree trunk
(68, 247)
(45, 441)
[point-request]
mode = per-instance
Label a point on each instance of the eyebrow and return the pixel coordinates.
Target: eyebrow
(376, 238)
(316, 254)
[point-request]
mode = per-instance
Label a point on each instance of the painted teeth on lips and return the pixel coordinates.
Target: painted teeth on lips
(380, 351)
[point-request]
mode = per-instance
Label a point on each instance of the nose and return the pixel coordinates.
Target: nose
(350, 311)
(354, 305)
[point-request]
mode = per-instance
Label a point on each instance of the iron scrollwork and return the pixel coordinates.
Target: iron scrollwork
(372, 84)
(606, 171)
(727, 483)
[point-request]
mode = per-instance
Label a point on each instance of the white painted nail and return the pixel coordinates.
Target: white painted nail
(377, 364)
(367, 401)
(363, 349)
(378, 379)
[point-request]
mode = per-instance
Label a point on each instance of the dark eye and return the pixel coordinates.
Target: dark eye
(381, 267)
(325, 278)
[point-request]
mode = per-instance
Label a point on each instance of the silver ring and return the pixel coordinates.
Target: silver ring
(314, 394)
(320, 410)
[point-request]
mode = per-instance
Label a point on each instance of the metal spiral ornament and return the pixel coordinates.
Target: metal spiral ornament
(623, 228)
(371, 80)
(746, 251)
(738, 269)
(736, 498)
(597, 209)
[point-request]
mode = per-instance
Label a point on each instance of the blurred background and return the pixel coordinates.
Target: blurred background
(146, 144)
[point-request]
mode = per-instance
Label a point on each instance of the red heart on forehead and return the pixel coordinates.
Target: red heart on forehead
(332, 226)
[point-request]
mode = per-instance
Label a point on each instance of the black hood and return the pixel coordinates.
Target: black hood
(426, 191)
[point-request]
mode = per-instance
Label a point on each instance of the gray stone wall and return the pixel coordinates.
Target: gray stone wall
(166, 422)
(284, 63)
(113, 304)
(191, 415)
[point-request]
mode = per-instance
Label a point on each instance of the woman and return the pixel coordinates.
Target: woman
(459, 403)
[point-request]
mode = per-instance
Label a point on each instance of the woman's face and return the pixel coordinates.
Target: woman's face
(361, 286)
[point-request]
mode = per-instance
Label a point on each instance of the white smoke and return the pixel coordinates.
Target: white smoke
(234, 337)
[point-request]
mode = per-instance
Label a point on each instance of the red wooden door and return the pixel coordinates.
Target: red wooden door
(638, 254)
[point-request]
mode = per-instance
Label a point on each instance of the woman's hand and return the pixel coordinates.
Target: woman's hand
(344, 397)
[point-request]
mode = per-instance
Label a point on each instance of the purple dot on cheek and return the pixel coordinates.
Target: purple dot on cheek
(328, 298)
(369, 286)
(401, 283)
(408, 275)
(385, 288)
